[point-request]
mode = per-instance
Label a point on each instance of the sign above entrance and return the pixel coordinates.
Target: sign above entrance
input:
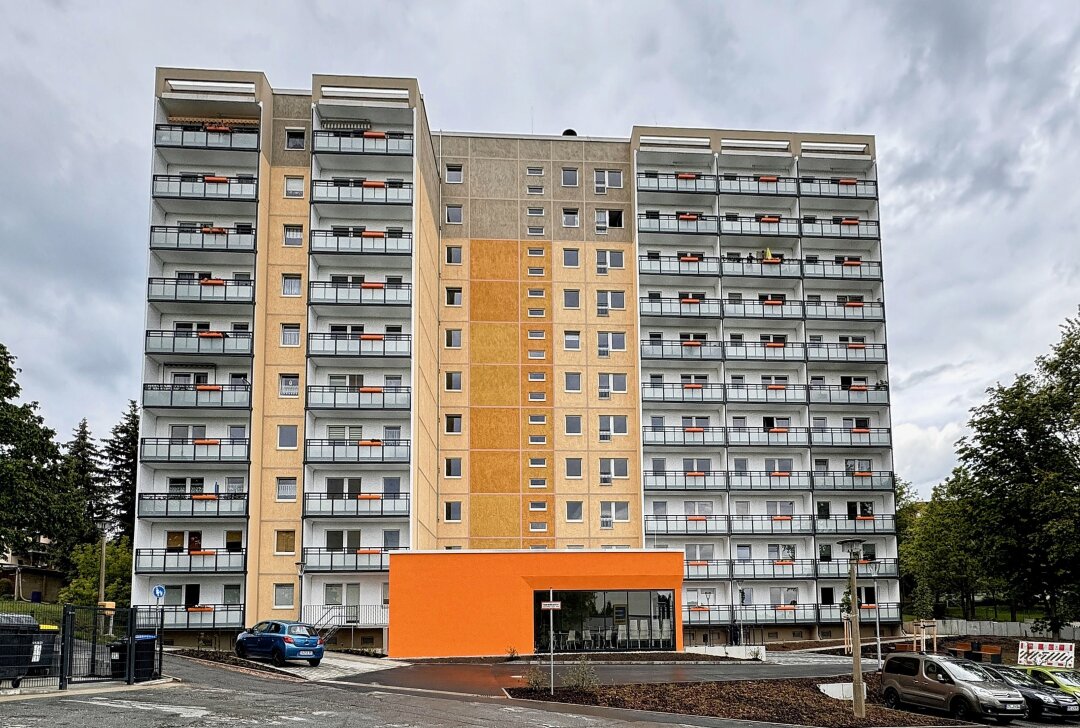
(550, 606)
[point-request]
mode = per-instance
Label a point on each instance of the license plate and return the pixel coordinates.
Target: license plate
(1007, 707)
(306, 653)
(1072, 708)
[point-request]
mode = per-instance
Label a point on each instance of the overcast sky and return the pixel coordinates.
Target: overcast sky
(975, 105)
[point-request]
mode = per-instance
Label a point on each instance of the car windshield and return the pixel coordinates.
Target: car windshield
(301, 629)
(962, 672)
(1072, 679)
(1020, 678)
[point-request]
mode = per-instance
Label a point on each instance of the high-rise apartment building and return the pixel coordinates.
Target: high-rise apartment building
(365, 338)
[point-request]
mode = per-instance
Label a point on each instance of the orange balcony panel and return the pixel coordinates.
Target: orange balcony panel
(693, 429)
(855, 263)
(699, 609)
(766, 178)
(207, 387)
(772, 302)
(211, 282)
(372, 234)
(211, 335)
(784, 607)
(691, 386)
(769, 218)
(690, 300)
(206, 442)
(200, 609)
(857, 388)
(689, 259)
(371, 183)
(371, 337)
(864, 518)
(856, 346)
(847, 181)
(774, 387)
(862, 474)
(374, 134)
(691, 343)
(213, 231)
(686, 175)
(697, 519)
(853, 304)
(373, 286)
(369, 443)
(697, 563)
(368, 551)
(780, 474)
(779, 430)
(783, 562)
(849, 221)
(369, 496)
(369, 390)
(861, 430)
(774, 345)
(772, 261)
(202, 552)
(687, 216)
(695, 474)
(204, 496)
(217, 127)
(214, 178)
(781, 518)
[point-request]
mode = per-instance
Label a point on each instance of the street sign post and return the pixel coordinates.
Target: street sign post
(159, 591)
(159, 594)
(551, 606)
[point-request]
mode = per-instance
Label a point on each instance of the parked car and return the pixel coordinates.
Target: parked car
(945, 683)
(1062, 678)
(1042, 701)
(281, 640)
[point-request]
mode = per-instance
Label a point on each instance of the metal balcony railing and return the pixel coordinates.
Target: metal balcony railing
(356, 451)
(764, 350)
(773, 569)
(201, 616)
(681, 307)
(846, 352)
(767, 393)
(359, 505)
(364, 558)
(864, 480)
(685, 224)
(347, 615)
(682, 350)
(365, 242)
(878, 523)
(854, 437)
(849, 394)
(201, 561)
(678, 436)
(367, 294)
(362, 191)
(202, 239)
(842, 228)
(886, 612)
(776, 613)
(395, 143)
(765, 226)
(841, 187)
(692, 480)
(769, 309)
(790, 436)
(750, 525)
(205, 290)
(690, 392)
(680, 182)
(674, 265)
(838, 569)
(207, 136)
(759, 184)
(225, 343)
(364, 398)
(767, 268)
(198, 396)
(193, 505)
(769, 480)
(686, 525)
(205, 187)
(360, 345)
(187, 450)
(857, 270)
(706, 569)
(707, 614)
(850, 311)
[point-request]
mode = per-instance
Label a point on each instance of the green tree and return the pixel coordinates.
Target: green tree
(83, 500)
(121, 467)
(908, 506)
(83, 588)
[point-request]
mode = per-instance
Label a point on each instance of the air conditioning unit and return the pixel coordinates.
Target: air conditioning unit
(605, 394)
(605, 436)
(607, 522)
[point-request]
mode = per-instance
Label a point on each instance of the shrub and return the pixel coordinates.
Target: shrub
(536, 679)
(511, 653)
(581, 676)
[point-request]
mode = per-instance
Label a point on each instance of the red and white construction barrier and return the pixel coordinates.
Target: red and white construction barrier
(1047, 654)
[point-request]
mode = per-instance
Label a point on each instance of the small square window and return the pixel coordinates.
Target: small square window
(454, 175)
(571, 257)
(453, 424)
(286, 489)
(295, 139)
(284, 542)
(573, 424)
(453, 338)
(283, 596)
(569, 177)
(573, 382)
(573, 467)
(453, 254)
(571, 298)
(570, 217)
(452, 511)
(288, 385)
(572, 340)
(290, 334)
(294, 186)
(452, 467)
(453, 214)
(535, 212)
(290, 284)
(453, 381)
(574, 511)
(294, 236)
(536, 230)
(286, 437)
(453, 297)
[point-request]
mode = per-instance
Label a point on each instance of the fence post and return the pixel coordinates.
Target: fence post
(67, 644)
(132, 614)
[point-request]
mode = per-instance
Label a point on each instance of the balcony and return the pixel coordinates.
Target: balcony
(845, 481)
(186, 450)
(767, 525)
(853, 270)
(680, 182)
(205, 187)
(773, 569)
(395, 143)
(886, 569)
(686, 525)
(193, 505)
(361, 451)
(678, 480)
(867, 613)
(206, 397)
(841, 227)
(878, 523)
(776, 613)
(694, 308)
(209, 344)
(199, 616)
(853, 437)
(360, 505)
(765, 185)
(849, 394)
(358, 398)
(849, 311)
(674, 265)
(764, 351)
(352, 560)
(359, 294)
(359, 191)
(761, 268)
(769, 480)
(204, 290)
(768, 226)
(841, 187)
(874, 353)
(767, 393)
(361, 346)
(213, 137)
(689, 393)
(753, 436)
(768, 309)
(203, 561)
(202, 239)
(683, 436)
(702, 614)
(684, 224)
(706, 570)
(365, 242)
(347, 615)
(682, 350)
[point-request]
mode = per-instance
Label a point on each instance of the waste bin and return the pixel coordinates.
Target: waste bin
(145, 658)
(17, 633)
(43, 652)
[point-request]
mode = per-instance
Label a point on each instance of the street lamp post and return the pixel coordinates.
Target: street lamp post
(300, 591)
(873, 567)
(858, 694)
(102, 526)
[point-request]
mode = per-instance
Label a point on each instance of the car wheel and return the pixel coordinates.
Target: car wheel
(315, 662)
(241, 651)
(959, 709)
(277, 658)
(892, 699)
(15, 682)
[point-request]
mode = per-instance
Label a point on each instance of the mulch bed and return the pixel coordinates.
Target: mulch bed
(796, 701)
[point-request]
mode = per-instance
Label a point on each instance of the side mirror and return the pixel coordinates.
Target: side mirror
(250, 630)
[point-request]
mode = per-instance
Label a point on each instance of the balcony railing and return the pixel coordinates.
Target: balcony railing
(843, 228)
(366, 242)
(846, 352)
(682, 350)
(886, 569)
(364, 398)
(789, 436)
(762, 268)
(356, 451)
(225, 343)
(198, 396)
(193, 505)
(364, 558)
(201, 561)
(360, 505)
(186, 450)
(360, 345)
(867, 612)
(679, 436)
(850, 311)
(694, 480)
(751, 525)
(764, 226)
(683, 393)
(706, 569)
(842, 187)
(208, 239)
(865, 480)
(767, 393)
(685, 224)
(854, 437)
(764, 351)
(776, 613)
(397, 143)
(366, 294)
(681, 307)
(207, 136)
(760, 184)
(362, 191)
(703, 614)
(682, 182)
(773, 569)
(769, 480)
(199, 616)
(849, 270)
(686, 525)
(205, 290)
(878, 523)
(205, 187)
(770, 309)
(347, 615)
(674, 265)
(849, 394)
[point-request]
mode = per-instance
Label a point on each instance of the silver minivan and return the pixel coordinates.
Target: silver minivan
(942, 683)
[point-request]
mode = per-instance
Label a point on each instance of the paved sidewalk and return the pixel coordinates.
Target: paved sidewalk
(338, 666)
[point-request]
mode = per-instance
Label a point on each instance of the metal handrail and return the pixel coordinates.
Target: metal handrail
(370, 242)
(225, 396)
(361, 190)
(181, 449)
(371, 294)
(693, 350)
(231, 343)
(205, 187)
(208, 561)
(193, 505)
(334, 397)
(210, 239)
(358, 451)
(394, 143)
(197, 136)
(690, 392)
(200, 290)
(358, 505)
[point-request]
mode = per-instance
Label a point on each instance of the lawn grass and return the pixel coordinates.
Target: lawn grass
(42, 613)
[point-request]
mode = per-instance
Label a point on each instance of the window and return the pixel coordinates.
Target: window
(452, 467)
(572, 298)
(284, 542)
(534, 190)
(606, 178)
(537, 526)
(452, 511)
(537, 419)
(571, 257)
(453, 338)
(608, 341)
(535, 212)
(288, 385)
(572, 340)
(612, 425)
(536, 353)
(537, 397)
(614, 511)
(294, 236)
(537, 506)
(453, 297)
(537, 439)
(570, 217)
(572, 382)
(286, 489)
(454, 175)
(294, 186)
(608, 219)
(290, 284)
(453, 381)
(613, 468)
(453, 214)
(283, 596)
(536, 270)
(536, 312)
(606, 300)
(453, 254)
(536, 293)
(534, 171)
(537, 482)
(295, 138)
(537, 377)
(611, 382)
(453, 424)
(290, 334)
(536, 229)
(536, 252)
(537, 462)
(573, 424)
(606, 259)
(569, 177)
(573, 467)
(286, 437)
(574, 511)
(536, 335)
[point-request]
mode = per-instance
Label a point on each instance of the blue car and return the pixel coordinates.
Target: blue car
(281, 640)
